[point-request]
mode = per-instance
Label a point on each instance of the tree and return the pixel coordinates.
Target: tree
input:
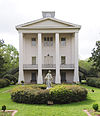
(2, 60)
(8, 57)
(11, 56)
(95, 58)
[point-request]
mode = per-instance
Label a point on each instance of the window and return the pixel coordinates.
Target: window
(63, 41)
(33, 41)
(63, 59)
(48, 41)
(48, 59)
(34, 60)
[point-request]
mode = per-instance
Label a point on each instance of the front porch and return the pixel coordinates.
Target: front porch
(31, 76)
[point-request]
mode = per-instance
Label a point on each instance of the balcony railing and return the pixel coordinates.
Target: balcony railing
(66, 66)
(48, 65)
(30, 66)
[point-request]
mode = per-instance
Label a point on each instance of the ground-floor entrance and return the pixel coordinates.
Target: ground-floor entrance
(63, 77)
(31, 76)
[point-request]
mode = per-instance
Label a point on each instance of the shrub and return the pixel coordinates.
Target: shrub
(94, 82)
(12, 78)
(4, 83)
(95, 107)
(4, 108)
(59, 94)
(67, 94)
(30, 95)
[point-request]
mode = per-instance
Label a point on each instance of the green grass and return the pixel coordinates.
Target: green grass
(5, 113)
(73, 109)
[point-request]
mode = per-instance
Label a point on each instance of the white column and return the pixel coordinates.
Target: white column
(21, 73)
(39, 79)
(57, 79)
(76, 74)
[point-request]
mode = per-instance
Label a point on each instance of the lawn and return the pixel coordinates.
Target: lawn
(5, 113)
(73, 109)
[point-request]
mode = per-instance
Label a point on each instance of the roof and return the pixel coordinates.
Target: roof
(47, 23)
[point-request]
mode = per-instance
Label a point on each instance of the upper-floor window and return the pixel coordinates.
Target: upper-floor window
(63, 41)
(33, 41)
(63, 59)
(34, 60)
(48, 41)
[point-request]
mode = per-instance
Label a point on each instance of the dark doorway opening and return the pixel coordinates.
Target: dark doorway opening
(63, 77)
(33, 79)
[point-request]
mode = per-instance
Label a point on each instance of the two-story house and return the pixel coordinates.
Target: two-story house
(48, 44)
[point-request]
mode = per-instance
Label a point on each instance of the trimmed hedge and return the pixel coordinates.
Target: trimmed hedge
(94, 82)
(4, 83)
(59, 94)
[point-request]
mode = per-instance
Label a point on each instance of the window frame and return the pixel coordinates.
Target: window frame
(33, 61)
(48, 41)
(63, 41)
(33, 41)
(63, 61)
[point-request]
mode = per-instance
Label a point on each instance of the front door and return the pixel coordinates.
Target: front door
(63, 77)
(33, 80)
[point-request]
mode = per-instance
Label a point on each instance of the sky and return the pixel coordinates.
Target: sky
(83, 12)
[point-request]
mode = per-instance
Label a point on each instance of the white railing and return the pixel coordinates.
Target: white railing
(30, 66)
(67, 66)
(48, 65)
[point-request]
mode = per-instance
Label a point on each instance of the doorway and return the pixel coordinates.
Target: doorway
(63, 77)
(33, 79)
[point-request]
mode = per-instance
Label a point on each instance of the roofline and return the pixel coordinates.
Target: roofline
(42, 19)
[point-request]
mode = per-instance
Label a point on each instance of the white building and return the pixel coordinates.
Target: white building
(48, 44)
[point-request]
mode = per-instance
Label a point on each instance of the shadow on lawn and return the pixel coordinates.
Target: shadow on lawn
(85, 102)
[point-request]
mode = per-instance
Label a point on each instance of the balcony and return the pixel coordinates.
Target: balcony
(30, 66)
(48, 66)
(67, 66)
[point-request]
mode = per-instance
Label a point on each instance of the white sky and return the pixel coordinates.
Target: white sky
(83, 12)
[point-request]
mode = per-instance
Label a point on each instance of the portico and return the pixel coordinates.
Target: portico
(55, 47)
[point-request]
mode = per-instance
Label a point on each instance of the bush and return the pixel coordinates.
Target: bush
(12, 78)
(94, 82)
(4, 83)
(95, 107)
(4, 108)
(59, 94)
(67, 94)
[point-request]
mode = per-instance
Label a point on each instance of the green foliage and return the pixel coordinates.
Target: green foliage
(85, 64)
(3, 107)
(8, 57)
(11, 57)
(4, 83)
(12, 78)
(95, 107)
(59, 94)
(94, 82)
(95, 58)
(67, 94)
(30, 95)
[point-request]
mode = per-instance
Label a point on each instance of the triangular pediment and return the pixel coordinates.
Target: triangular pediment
(48, 23)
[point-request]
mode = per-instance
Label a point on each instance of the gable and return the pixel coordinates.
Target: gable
(47, 23)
